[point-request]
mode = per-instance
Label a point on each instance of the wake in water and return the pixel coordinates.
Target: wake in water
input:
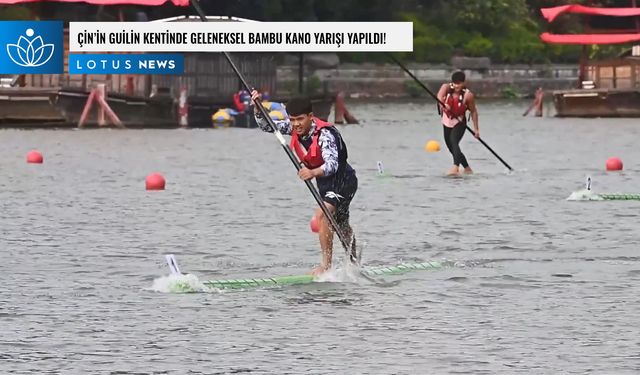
(588, 195)
(348, 274)
(584, 195)
(178, 282)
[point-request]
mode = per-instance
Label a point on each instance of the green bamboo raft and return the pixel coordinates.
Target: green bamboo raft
(620, 197)
(589, 195)
(185, 287)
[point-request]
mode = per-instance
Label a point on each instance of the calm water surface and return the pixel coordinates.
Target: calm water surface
(535, 284)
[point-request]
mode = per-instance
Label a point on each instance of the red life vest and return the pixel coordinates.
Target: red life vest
(456, 105)
(311, 158)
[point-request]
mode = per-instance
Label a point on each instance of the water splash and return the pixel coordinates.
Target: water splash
(584, 195)
(347, 274)
(180, 283)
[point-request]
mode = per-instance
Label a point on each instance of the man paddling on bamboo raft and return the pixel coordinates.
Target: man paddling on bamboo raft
(323, 153)
(458, 100)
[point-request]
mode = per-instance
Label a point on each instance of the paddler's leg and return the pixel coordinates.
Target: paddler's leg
(448, 139)
(345, 227)
(342, 217)
(456, 136)
(338, 204)
(325, 235)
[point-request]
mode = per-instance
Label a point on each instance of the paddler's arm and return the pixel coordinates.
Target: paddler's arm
(329, 150)
(471, 104)
(283, 126)
(442, 95)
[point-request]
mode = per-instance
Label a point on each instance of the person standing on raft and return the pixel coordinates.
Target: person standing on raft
(323, 153)
(457, 101)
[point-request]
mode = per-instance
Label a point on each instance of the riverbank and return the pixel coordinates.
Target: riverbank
(45, 103)
(389, 80)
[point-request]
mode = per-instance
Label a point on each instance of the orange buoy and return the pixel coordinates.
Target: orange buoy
(432, 146)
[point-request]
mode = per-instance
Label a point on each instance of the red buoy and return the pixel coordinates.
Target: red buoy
(34, 157)
(314, 224)
(614, 164)
(155, 181)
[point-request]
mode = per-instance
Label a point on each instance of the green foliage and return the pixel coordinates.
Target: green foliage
(478, 46)
(604, 51)
(429, 43)
(15, 13)
(413, 89)
(488, 17)
(312, 85)
(519, 45)
(507, 31)
(364, 57)
(562, 53)
(509, 93)
(426, 48)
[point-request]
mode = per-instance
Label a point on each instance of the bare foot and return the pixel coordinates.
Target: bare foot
(468, 170)
(453, 171)
(318, 270)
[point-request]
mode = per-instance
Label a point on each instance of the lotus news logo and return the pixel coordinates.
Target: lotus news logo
(30, 52)
(31, 47)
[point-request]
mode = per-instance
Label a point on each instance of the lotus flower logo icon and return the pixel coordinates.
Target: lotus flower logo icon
(30, 51)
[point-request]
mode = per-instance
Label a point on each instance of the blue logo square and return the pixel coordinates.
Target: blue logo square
(31, 47)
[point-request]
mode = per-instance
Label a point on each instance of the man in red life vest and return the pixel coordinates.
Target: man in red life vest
(458, 100)
(323, 153)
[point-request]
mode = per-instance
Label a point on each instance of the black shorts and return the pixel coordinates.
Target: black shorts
(342, 198)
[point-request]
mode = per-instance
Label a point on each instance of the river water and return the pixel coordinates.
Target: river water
(534, 283)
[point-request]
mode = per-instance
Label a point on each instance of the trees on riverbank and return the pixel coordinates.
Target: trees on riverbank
(507, 31)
